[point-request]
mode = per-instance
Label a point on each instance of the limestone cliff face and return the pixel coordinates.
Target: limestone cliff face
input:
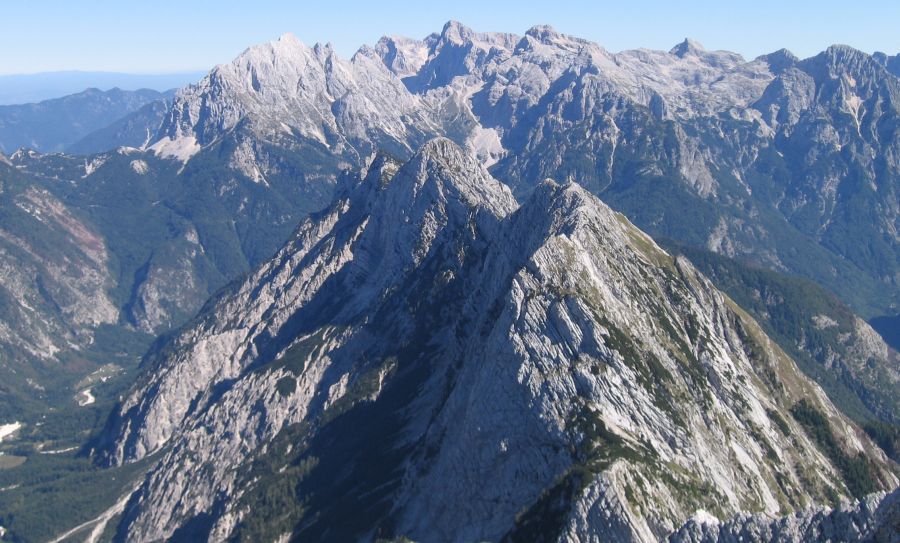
(286, 90)
(428, 359)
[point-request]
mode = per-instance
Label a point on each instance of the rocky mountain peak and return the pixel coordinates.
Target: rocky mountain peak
(560, 201)
(842, 59)
(891, 63)
(323, 50)
(263, 80)
(456, 32)
(550, 38)
(687, 47)
(542, 32)
(403, 56)
(780, 60)
(450, 176)
(839, 50)
(853, 86)
(568, 210)
(691, 51)
(286, 49)
(476, 340)
(283, 90)
(289, 38)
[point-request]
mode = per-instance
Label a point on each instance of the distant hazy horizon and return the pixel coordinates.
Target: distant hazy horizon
(136, 73)
(37, 87)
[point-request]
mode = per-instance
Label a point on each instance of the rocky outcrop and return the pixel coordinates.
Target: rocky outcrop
(876, 518)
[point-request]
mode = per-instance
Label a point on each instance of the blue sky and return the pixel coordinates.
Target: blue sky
(159, 36)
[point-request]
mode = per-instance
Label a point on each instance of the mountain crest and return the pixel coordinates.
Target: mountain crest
(542, 32)
(687, 47)
(403, 56)
(282, 90)
(457, 36)
(289, 38)
(449, 174)
(426, 325)
(286, 49)
(841, 59)
(780, 60)
(456, 32)
(562, 200)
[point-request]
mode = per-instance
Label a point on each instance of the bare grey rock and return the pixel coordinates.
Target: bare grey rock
(876, 518)
(510, 352)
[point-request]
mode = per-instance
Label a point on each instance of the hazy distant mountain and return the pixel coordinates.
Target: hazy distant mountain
(28, 88)
(133, 130)
(53, 125)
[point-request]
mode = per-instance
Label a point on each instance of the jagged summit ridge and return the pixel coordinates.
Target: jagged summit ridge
(456, 32)
(553, 97)
(478, 339)
(459, 34)
(456, 176)
(687, 47)
(439, 187)
(286, 89)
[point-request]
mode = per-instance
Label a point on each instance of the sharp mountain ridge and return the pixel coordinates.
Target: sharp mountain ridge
(508, 368)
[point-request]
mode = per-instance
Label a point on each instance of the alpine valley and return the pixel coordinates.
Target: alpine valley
(475, 287)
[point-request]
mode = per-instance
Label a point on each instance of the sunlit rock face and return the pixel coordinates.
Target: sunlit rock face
(426, 347)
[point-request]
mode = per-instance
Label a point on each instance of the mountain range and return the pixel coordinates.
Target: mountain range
(777, 156)
(451, 346)
(59, 124)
